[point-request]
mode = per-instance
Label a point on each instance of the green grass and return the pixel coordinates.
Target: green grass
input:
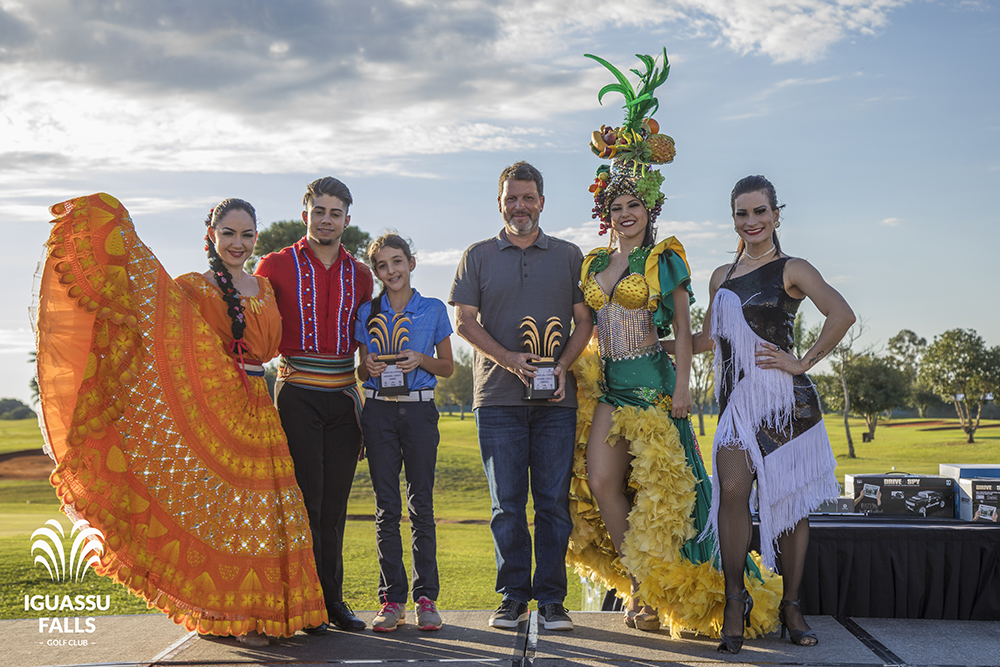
(21, 524)
(26, 492)
(20, 434)
(462, 507)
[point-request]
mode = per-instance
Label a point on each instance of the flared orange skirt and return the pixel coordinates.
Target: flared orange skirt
(158, 442)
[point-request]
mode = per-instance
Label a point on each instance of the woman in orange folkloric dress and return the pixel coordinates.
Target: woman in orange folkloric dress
(161, 426)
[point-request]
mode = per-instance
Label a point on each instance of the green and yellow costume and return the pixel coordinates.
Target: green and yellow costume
(668, 486)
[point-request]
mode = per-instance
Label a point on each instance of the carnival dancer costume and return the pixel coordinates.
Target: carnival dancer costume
(668, 485)
(161, 440)
(771, 415)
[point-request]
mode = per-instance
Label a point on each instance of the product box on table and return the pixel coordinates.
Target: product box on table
(980, 499)
(901, 494)
(960, 471)
(840, 505)
(969, 470)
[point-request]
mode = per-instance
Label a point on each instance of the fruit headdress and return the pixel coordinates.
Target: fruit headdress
(634, 146)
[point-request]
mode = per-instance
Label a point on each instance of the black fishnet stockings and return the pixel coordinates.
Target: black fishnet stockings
(735, 530)
(792, 547)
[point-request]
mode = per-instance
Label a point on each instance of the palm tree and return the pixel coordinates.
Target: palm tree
(33, 359)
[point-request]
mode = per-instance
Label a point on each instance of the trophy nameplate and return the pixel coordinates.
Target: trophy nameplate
(543, 386)
(392, 381)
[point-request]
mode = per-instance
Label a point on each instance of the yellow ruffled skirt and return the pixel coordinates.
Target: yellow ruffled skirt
(672, 495)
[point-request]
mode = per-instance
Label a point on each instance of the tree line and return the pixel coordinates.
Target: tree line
(956, 368)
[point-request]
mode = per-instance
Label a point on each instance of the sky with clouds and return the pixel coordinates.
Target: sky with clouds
(877, 120)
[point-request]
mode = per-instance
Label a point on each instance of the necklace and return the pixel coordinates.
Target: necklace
(763, 254)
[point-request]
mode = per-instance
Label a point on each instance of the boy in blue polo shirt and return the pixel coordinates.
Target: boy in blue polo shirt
(399, 421)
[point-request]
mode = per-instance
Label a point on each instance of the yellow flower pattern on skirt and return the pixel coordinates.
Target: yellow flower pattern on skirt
(157, 442)
(689, 596)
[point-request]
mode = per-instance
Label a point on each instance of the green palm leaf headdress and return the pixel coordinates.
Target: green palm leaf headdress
(634, 146)
(639, 101)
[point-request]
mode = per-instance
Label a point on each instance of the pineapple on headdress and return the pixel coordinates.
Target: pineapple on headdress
(634, 146)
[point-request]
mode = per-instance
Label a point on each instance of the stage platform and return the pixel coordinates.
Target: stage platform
(599, 639)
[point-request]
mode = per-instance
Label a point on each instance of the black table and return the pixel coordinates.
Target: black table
(896, 567)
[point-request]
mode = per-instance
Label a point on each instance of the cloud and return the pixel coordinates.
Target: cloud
(759, 101)
(790, 30)
(892, 222)
(16, 341)
(701, 276)
(440, 257)
(791, 83)
(13, 31)
(688, 231)
(14, 160)
(586, 236)
(364, 87)
(784, 30)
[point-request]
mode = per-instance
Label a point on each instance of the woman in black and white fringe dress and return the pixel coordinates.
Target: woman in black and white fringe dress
(770, 426)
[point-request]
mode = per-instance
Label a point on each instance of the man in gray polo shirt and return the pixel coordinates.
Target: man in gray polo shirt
(517, 274)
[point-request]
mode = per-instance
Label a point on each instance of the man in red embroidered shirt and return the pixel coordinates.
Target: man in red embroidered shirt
(319, 286)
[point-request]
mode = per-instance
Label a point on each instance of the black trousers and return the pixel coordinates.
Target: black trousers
(324, 440)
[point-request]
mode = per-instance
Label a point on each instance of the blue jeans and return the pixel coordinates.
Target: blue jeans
(402, 436)
(522, 445)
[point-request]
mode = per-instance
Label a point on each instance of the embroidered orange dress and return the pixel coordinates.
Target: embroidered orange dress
(157, 441)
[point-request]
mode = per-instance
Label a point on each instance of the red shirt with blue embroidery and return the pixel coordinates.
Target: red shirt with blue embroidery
(317, 304)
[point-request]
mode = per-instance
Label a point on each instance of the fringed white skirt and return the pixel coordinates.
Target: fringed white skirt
(774, 417)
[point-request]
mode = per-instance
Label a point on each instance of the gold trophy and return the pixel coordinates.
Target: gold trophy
(392, 381)
(543, 385)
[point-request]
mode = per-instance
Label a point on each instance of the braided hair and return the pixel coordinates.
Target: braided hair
(223, 278)
(754, 184)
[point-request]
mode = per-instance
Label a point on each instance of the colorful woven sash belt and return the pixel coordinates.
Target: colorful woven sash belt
(329, 372)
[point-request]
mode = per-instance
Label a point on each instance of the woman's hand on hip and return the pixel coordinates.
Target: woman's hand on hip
(769, 355)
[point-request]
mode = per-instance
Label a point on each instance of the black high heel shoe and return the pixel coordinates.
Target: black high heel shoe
(734, 643)
(796, 635)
